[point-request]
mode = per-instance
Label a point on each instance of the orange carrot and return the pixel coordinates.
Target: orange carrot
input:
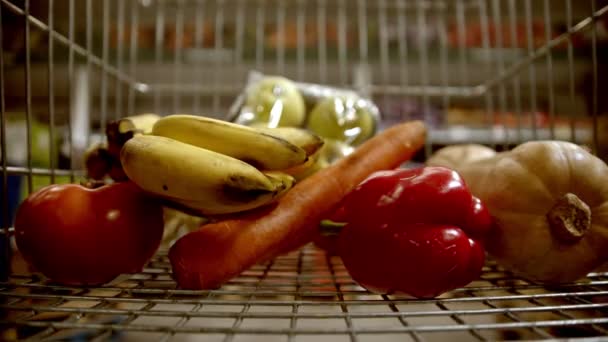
(213, 254)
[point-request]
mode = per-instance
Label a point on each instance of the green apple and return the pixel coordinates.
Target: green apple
(346, 119)
(276, 101)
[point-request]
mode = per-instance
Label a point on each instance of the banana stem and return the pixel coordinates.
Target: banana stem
(569, 218)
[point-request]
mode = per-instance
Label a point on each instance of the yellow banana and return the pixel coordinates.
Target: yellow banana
(283, 181)
(207, 182)
(121, 130)
(314, 163)
(264, 151)
(141, 123)
(330, 152)
(307, 140)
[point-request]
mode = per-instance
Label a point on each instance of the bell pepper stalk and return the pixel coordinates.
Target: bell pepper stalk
(413, 231)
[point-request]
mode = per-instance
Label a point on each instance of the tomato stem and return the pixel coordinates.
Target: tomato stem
(92, 183)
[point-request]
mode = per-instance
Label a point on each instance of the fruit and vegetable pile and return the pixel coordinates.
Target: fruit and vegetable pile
(274, 180)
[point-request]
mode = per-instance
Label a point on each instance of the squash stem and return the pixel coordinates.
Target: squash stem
(569, 218)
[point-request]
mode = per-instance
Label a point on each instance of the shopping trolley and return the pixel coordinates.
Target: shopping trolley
(493, 72)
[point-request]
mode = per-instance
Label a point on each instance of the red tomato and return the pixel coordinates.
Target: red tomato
(79, 236)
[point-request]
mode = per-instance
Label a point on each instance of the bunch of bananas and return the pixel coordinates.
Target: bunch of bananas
(103, 159)
(207, 167)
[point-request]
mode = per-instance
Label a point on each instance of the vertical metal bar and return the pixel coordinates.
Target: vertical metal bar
(485, 41)
(393, 308)
(133, 55)
(51, 93)
(343, 306)
(362, 18)
(497, 15)
(80, 95)
(159, 34)
(239, 28)
(443, 57)
(239, 319)
(516, 82)
(70, 83)
(485, 28)
(531, 68)
(301, 49)
(177, 53)
(594, 94)
(104, 56)
(424, 68)
(403, 47)
(462, 52)
(119, 49)
(322, 41)
(240, 32)
(295, 306)
(183, 320)
(571, 71)
(474, 332)
(199, 32)
(89, 46)
(383, 37)
(219, 44)
(6, 221)
(28, 95)
(342, 43)
(281, 37)
(259, 35)
(549, 57)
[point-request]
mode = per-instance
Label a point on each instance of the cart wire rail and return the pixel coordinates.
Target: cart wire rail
(306, 295)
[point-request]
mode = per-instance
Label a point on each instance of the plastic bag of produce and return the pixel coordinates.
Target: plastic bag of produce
(335, 114)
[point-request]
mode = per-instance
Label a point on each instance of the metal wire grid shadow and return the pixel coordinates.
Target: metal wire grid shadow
(78, 64)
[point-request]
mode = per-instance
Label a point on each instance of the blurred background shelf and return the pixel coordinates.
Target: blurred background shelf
(505, 136)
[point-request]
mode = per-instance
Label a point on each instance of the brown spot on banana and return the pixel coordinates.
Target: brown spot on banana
(290, 146)
(246, 183)
(239, 195)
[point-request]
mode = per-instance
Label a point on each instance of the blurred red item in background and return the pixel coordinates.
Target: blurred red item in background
(474, 35)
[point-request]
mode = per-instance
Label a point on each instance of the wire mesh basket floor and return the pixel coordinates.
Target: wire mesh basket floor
(303, 296)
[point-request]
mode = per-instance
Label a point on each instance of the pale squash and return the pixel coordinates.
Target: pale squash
(549, 200)
(455, 156)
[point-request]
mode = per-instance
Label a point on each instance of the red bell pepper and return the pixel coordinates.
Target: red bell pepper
(415, 231)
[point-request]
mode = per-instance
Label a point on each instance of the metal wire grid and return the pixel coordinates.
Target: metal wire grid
(166, 83)
(303, 295)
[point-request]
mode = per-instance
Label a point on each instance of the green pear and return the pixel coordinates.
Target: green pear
(276, 102)
(346, 119)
